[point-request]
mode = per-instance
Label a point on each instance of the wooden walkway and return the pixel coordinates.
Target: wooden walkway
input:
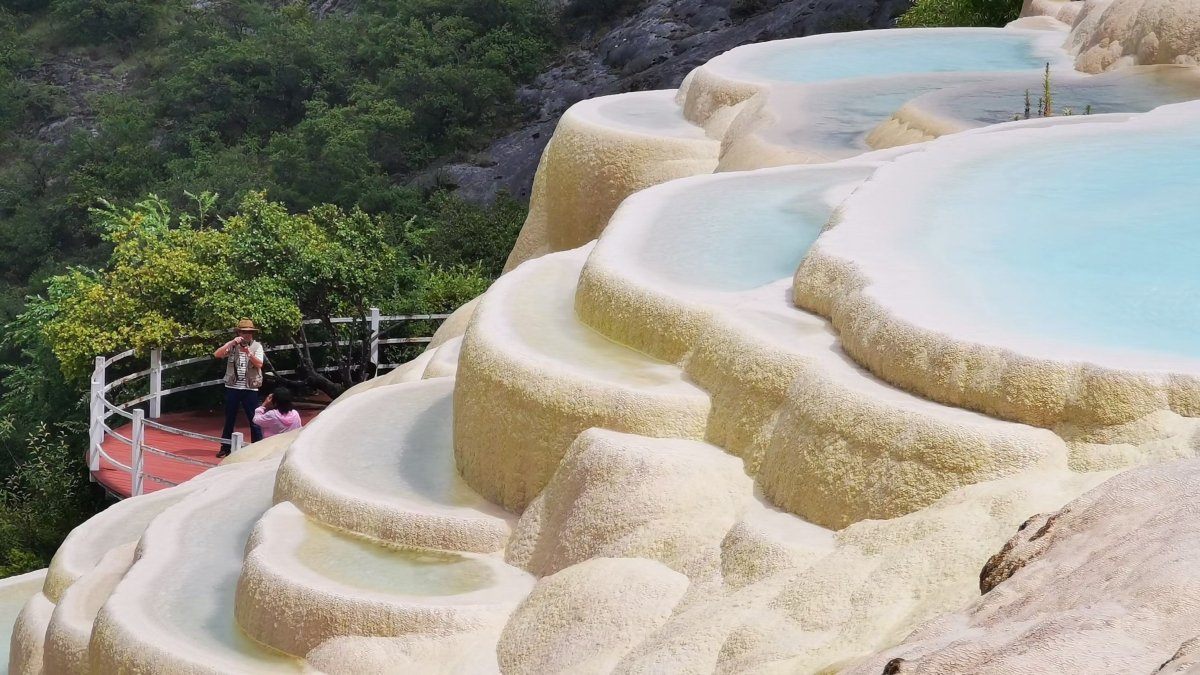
(120, 483)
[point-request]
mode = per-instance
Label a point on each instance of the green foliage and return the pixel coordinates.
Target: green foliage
(463, 234)
(445, 289)
(44, 497)
(96, 22)
(935, 13)
(241, 96)
(172, 275)
(308, 129)
(46, 492)
(326, 262)
(20, 100)
(24, 5)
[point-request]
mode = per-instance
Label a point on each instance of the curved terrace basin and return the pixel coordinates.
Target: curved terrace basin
(728, 232)
(14, 593)
(1092, 243)
(539, 327)
(842, 56)
(385, 468)
(357, 562)
(339, 584)
(1000, 98)
(1068, 295)
(648, 112)
(174, 608)
(673, 250)
(832, 120)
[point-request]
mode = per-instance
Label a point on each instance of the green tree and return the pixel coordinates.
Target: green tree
(458, 233)
(170, 276)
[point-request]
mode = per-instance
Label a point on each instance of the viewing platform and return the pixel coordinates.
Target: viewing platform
(136, 448)
(182, 457)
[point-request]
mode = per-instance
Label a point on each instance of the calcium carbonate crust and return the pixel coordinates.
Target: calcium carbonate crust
(1136, 32)
(28, 640)
(69, 633)
(29, 629)
(274, 583)
(126, 637)
(517, 411)
(592, 163)
(622, 496)
(585, 618)
(309, 477)
(988, 377)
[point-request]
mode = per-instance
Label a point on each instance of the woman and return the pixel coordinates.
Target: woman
(277, 415)
(243, 377)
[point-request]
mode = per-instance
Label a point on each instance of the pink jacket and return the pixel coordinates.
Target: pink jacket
(274, 422)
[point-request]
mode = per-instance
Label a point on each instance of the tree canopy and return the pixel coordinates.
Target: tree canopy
(171, 276)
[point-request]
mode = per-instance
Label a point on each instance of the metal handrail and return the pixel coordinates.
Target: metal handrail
(117, 357)
(123, 467)
(102, 409)
(194, 435)
(179, 458)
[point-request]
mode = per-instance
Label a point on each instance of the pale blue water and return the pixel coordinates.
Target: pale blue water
(898, 52)
(746, 233)
(1081, 241)
(1132, 90)
(839, 116)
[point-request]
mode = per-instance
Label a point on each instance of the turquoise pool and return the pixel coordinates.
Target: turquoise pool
(744, 232)
(902, 52)
(1090, 240)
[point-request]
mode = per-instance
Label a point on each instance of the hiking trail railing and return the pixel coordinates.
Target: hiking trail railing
(101, 409)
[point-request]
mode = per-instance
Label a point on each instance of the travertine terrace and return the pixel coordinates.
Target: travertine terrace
(784, 362)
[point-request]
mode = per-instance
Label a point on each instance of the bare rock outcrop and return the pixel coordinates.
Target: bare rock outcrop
(1105, 585)
(1115, 33)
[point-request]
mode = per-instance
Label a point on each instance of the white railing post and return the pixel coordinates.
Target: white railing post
(137, 438)
(155, 383)
(96, 416)
(235, 443)
(375, 337)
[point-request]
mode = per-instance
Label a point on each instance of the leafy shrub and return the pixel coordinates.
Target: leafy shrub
(459, 233)
(935, 13)
(44, 497)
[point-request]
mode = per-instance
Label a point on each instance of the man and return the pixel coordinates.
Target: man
(243, 377)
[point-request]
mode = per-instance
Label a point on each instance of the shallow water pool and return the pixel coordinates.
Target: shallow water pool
(1078, 241)
(399, 571)
(902, 52)
(747, 232)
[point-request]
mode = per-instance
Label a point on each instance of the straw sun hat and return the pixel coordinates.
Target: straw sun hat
(246, 324)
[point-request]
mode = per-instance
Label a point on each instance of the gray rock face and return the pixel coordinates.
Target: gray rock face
(81, 79)
(654, 49)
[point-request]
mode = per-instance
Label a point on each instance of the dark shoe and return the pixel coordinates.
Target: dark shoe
(222, 454)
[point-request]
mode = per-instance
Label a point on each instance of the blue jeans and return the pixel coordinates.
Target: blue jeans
(247, 400)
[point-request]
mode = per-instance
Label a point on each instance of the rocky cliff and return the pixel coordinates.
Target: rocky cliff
(653, 49)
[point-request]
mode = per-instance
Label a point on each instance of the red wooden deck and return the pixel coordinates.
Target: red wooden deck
(205, 422)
